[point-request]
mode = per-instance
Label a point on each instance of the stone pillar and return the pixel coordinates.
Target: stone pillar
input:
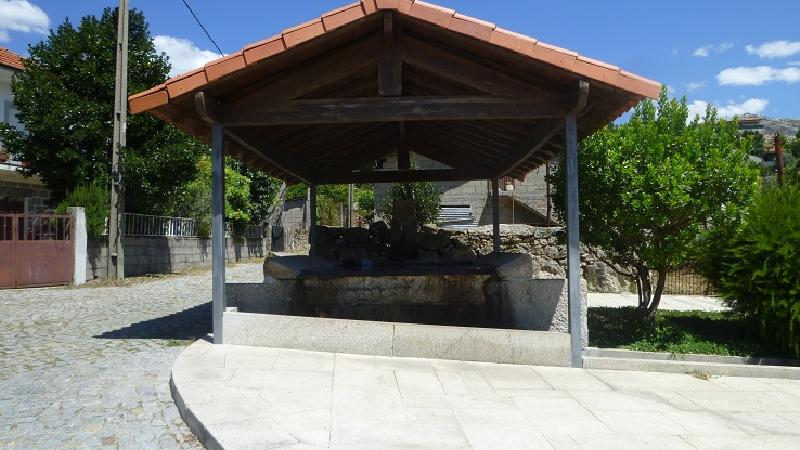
(312, 219)
(573, 243)
(80, 244)
(217, 229)
(495, 215)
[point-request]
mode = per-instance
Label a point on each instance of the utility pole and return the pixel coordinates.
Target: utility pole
(116, 222)
(779, 158)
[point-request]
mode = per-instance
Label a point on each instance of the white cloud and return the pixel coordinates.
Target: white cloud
(21, 15)
(754, 76)
(753, 106)
(775, 49)
(793, 63)
(695, 85)
(183, 54)
(707, 50)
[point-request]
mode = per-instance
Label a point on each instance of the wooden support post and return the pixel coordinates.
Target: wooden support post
(390, 78)
(217, 229)
(573, 243)
(403, 154)
(495, 215)
(312, 219)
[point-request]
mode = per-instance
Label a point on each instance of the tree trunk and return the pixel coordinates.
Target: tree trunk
(662, 278)
(644, 290)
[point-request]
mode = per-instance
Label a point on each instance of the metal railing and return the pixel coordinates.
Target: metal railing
(687, 281)
(166, 226)
(148, 225)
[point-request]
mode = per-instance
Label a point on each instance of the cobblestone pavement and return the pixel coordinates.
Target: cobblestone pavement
(89, 367)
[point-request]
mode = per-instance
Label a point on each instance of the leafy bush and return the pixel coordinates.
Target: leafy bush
(762, 267)
(365, 201)
(96, 200)
(426, 198)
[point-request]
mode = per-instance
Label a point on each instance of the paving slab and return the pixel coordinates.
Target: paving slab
(326, 400)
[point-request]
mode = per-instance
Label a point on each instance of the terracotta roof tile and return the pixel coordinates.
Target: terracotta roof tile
(264, 49)
(148, 101)
(404, 6)
(10, 59)
(342, 16)
(444, 17)
(513, 41)
(304, 32)
(471, 26)
(432, 13)
(369, 6)
(186, 82)
(223, 66)
(556, 56)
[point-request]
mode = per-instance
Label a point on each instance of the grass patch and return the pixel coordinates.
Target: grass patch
(712, 333)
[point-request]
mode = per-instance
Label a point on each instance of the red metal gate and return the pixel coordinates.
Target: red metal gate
(36, 250)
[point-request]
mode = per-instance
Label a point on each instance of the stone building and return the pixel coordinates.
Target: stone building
(18, 193)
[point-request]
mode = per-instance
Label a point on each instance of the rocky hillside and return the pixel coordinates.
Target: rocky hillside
(786, 127)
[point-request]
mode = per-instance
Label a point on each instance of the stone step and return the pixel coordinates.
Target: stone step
(676, 366)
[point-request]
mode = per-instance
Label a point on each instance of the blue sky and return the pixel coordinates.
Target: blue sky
(742, 56)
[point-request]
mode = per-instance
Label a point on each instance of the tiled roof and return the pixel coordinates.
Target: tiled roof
(10, 59)
(439, 16)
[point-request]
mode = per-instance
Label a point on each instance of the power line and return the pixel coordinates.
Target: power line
(204, 28)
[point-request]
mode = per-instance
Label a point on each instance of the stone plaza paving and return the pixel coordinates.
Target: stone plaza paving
(248, 397)
(89, 367)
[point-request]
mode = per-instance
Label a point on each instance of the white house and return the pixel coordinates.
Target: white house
(17, 192)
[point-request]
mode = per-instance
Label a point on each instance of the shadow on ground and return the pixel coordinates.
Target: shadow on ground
(192, 323)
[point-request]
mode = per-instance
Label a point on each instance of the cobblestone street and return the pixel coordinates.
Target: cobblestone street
(89, 367)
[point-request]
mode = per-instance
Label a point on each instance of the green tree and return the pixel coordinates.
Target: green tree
(263, 191)
(65, 98)
(758, 147)
(793, 147)
(195, 197)
(425, 194)
(649, 188)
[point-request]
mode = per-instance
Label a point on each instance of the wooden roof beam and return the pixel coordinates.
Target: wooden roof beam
(395, 109)
(208, 109)
(404, 176)
(544, 131)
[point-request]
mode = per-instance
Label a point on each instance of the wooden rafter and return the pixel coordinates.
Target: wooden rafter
(403, 176)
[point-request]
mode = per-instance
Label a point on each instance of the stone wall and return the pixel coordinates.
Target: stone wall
(148, 255)
(548, 255)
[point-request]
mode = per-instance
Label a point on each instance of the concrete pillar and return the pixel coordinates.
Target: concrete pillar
(495, 215)
(217, 229)
(312, 219)
(573, 244)
(80, 243)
